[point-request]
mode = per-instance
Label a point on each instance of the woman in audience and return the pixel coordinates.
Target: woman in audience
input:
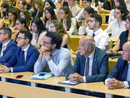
(49, 16)
(118, 25)
(38, 8)
(38, 31)
(57, 27)
(83, 30)
(116, 4)
(86, 3)
(21, 4)
(70, 24)
(13, 16)
(20, 25)
(124, 37)
(47, 3)
(128, 5)
(25, 14)
(4, 10)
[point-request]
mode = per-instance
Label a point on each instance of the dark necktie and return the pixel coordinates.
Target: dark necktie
(93, 35)
(22, 55)
(86, 67)
(128, 73)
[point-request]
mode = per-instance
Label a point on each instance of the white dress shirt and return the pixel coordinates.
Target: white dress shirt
(114, 28)
(25, 52)
(80, 14)
(111, 16)
(84, 30)
(73, 28)
(34, 41)
(101, 38)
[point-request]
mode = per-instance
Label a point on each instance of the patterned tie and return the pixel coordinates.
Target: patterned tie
(93, 35)
(2, 50)
(86, 72)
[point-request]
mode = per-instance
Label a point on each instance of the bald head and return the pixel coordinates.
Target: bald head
(126, 51)
(86, 45)
(87, 38)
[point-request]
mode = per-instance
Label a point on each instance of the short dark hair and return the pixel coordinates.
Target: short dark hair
(97, 18)
(55, 38)
(128, 17)
(7, 31)
(27, 34)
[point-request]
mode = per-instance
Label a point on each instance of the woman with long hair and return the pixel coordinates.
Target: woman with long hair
(118, 24)
(49, 16)
(70, 24)
(57, 27)
(38, 30)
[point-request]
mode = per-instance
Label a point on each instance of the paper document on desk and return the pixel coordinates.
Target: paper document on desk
(67, 82)
(42, 76)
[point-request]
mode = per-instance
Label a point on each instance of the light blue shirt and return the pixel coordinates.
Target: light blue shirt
(60, 63)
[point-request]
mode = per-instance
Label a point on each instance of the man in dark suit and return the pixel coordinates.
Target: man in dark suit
(97, 69)
(91, 65)
(7, 45)
(120, 75)
(25, 56)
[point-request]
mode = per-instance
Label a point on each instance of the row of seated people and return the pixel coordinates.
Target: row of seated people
(91, 64)
(70, 16)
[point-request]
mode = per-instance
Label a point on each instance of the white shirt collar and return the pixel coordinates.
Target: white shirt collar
(96, 33)
(5, 44)
(91, 55)
(26, 49)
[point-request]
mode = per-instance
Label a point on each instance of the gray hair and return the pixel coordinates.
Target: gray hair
(90, 43)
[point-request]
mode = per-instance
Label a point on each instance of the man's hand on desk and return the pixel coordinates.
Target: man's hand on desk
(4, 69)
(114, 84)
(76, 77)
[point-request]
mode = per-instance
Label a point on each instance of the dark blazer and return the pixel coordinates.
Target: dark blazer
(17, 62)
(9, 51)
(120, 70)
(99, 66)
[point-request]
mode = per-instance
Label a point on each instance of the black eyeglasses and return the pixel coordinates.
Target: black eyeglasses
(19, 38)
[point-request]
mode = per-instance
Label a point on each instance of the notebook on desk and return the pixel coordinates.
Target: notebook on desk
(42, 76)
(67, 82)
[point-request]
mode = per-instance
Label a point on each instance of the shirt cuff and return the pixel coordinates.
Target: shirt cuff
(106, 81)
(84, 78)
(126, 84)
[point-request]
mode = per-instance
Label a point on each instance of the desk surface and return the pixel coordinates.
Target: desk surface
(97, 86)
(23, 91)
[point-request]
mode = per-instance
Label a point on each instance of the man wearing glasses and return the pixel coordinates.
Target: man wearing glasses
(58, 59)
(25, 56)
(7, 45)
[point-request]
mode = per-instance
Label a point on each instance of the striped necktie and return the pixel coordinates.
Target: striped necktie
(2, 50)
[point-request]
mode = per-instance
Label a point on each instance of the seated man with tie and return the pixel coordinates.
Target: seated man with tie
(101, 38)
(25, 56)
(7, 45)
(91, 63)
(120, 75)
